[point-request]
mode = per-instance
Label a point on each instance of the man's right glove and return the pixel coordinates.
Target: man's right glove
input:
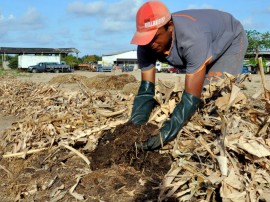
(181, 114)
(143, 103)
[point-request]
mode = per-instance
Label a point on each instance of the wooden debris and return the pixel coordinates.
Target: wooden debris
(233, 125)
(78, 153)
(231, 128)
(20, 154)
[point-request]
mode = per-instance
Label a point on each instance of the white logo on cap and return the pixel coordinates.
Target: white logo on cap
(154, 23)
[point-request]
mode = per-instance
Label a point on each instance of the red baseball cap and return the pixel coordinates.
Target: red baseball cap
(151, 16)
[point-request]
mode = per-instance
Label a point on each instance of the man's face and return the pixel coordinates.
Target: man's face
(162, 40)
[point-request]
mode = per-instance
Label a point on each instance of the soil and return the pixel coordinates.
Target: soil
(29, 179)
(118, 148)
(117, 172)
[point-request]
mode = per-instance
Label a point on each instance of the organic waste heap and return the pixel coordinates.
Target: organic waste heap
(55, 150)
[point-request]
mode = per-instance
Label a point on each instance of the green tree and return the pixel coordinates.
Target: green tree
(13, 61)
(71, 60)
(257, 42)
(90, 58)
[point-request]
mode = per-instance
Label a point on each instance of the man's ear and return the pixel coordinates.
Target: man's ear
(170, 27)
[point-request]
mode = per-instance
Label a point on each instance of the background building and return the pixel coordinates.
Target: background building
(34, 52)
(127, 58)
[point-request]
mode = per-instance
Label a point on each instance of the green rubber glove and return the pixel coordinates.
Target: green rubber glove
(143, 103)
(181, 114)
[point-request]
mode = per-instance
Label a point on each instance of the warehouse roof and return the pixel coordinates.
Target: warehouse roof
(11, 50)
(118, 53)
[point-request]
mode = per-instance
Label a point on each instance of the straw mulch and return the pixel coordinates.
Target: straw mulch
(222, 153)
(100, 82)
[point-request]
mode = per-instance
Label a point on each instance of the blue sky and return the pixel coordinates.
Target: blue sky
(101, 27)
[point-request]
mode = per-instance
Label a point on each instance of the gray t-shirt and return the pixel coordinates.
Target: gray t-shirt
(199, 35)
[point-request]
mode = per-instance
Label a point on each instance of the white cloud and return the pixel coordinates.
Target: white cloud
(268, 10)
(113, 16)
(35, 38)
(30, 20)
(121, 15)
(64, 32)
(250, 23)
(124, 9)
(19, 28)
(113, 25)
(6, 21)
(10, 17)
(5, 24)
(100, 26)
(81, 9)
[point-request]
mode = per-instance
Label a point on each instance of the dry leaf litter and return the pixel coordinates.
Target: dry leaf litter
(222, 153)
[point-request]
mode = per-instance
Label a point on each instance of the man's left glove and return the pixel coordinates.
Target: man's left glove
(143, 103)
(181, 114)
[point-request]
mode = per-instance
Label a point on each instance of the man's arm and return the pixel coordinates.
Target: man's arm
(144, 101)
(149, 75)
(182, 112)
(194, 82)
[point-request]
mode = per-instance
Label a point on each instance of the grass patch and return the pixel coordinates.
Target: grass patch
(14, 73)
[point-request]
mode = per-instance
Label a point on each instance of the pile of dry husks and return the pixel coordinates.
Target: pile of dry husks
(48, 115)
(222, 153)
(99, 82)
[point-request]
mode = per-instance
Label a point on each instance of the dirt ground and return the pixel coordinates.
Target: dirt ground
(115, 174)
(252, 86)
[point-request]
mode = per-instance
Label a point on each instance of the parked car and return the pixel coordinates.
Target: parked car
(176, 70)
(249, 69)
(158, 67)
(245, 70)
(162, 67)
(127, 68)
(99, 68)
(49, 67)
(106, 69)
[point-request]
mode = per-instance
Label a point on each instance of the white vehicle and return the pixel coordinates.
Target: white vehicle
(162, 67)
(25, 61)
(158, 66)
